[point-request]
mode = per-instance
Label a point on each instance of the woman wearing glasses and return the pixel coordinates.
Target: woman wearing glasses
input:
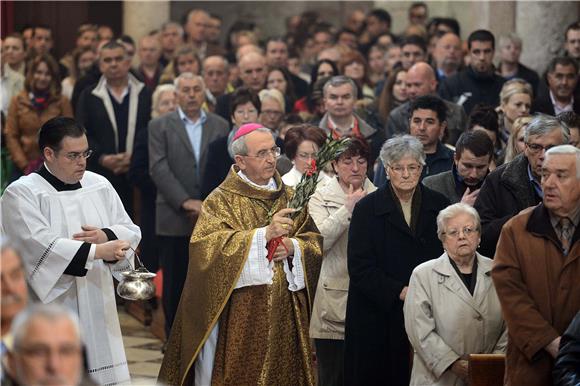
(392, 231)
(452, 309)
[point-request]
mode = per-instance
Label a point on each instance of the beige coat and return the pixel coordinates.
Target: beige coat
(445, 322)
(332, 219)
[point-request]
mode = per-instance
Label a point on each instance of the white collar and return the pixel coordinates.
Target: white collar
(271, 185)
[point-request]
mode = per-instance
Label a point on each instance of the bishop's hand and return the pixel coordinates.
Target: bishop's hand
(280, 224)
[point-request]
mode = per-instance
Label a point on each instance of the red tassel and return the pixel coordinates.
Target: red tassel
(272, 245)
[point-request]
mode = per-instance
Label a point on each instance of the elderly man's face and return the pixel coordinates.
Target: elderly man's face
(536, 149)
(259, 165)
(339, 101)
(448, 51)
(49, 354)
(572, 44)
(561, 184)
(196, 26)
(562, 81)
(13, 286)
(481, 56)
(253, 71)
(190, 96)
(215, 75)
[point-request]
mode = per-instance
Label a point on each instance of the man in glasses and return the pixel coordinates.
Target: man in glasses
(515, 186)
(74, 235)
(242, 316)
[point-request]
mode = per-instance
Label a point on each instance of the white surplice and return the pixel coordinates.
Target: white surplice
(41, 221)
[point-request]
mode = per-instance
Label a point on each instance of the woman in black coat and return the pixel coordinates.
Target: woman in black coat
(392, 231)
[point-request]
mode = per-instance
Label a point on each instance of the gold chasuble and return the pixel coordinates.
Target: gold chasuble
(263, 330)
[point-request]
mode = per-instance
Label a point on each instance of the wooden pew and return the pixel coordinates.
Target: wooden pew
(486, 369)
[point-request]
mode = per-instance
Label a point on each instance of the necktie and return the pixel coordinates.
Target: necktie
(565, 233)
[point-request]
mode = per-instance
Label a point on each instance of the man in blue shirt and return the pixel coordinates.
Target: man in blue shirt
(178, 144)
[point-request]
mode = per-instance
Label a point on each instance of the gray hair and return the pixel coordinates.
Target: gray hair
(273, 94)
(172, 23)
(543, 124)
(239, 147)
(188, 75)
(396, 148)
(339, 80)
(566, 149)
(451, 212)
(52, 312)
(157, 95)
(224, 60)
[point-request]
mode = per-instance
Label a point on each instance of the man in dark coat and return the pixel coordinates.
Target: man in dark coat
(392, 231)
(113, 111)
(478, 83)
(515, 186)
(567, 367)
(473, 155)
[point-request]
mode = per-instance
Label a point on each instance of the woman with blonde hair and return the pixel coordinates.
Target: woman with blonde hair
(516, 98)
(516, 143)
(163, 100)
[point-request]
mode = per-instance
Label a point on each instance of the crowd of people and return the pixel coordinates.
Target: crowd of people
(449, 225)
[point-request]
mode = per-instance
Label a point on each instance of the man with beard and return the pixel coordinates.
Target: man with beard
(473, 155)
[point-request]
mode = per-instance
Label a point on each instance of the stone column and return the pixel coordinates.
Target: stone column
(541, 26)
(141, 17)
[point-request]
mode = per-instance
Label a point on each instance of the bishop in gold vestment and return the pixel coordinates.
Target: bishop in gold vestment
(261, 330)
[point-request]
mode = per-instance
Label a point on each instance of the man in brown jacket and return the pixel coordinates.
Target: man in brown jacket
(537, 271)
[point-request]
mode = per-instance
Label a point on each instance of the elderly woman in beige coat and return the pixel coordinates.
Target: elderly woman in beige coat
(452, 309)
(331, 208)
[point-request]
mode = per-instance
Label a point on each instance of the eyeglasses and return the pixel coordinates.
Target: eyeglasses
(306, 156)
(263, 154)
(454, 233)
(272, 113)
(412, 169)
(537, 148)
(75, 156)
(43, 353)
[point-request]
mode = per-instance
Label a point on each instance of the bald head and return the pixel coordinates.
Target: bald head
(215, 74)
(253, 70)
(447, 53)
(420, 80)
(246, 49)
